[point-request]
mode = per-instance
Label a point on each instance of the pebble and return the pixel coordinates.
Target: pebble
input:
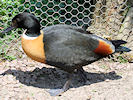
(14, 84)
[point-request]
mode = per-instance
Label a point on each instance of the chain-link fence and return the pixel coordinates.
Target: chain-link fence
(102, 17)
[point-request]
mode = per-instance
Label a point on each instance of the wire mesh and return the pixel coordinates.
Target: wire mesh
(102, 17)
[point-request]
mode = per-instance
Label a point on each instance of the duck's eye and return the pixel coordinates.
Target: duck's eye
(17, 19)
(14, 23)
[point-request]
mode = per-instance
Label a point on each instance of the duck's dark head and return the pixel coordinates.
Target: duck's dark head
(27, 21)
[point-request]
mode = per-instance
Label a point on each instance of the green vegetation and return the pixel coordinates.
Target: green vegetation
(10, 8)
(121, 59)
(7, 10)
(48, 12)
(6, 13)
(104, 67)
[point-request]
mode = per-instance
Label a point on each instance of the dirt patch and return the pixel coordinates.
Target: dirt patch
(28, 80)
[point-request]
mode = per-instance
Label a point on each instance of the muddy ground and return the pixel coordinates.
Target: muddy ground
(25, 79)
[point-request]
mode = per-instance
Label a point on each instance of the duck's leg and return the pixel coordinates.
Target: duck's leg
(55, 92)
(82, 74)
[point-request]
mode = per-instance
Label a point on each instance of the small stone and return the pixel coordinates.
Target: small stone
(107, 80)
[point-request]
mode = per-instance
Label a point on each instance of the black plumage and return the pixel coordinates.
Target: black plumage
(68, 47)
(63, 46)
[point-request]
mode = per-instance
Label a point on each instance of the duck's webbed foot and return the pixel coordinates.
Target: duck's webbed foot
(56, 92)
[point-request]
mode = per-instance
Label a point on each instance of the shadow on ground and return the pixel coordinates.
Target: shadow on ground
(50, 78)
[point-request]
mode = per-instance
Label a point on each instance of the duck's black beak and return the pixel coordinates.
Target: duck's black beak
(8, 29)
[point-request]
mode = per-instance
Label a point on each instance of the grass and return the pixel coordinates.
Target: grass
(10, 8)
(121, 59)
(104, 67)
(6, 13)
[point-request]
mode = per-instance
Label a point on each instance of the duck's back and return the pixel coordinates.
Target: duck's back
(69, 47)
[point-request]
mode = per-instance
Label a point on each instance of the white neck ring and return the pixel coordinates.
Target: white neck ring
(27, 37)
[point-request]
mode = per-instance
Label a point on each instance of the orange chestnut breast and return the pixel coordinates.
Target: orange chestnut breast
(34, 48)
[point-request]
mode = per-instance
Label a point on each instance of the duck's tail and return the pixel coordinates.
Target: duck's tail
(118, 47)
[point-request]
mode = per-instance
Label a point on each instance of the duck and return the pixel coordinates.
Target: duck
(66, 47)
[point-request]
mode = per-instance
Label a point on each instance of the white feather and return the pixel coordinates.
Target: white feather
(27, 37)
